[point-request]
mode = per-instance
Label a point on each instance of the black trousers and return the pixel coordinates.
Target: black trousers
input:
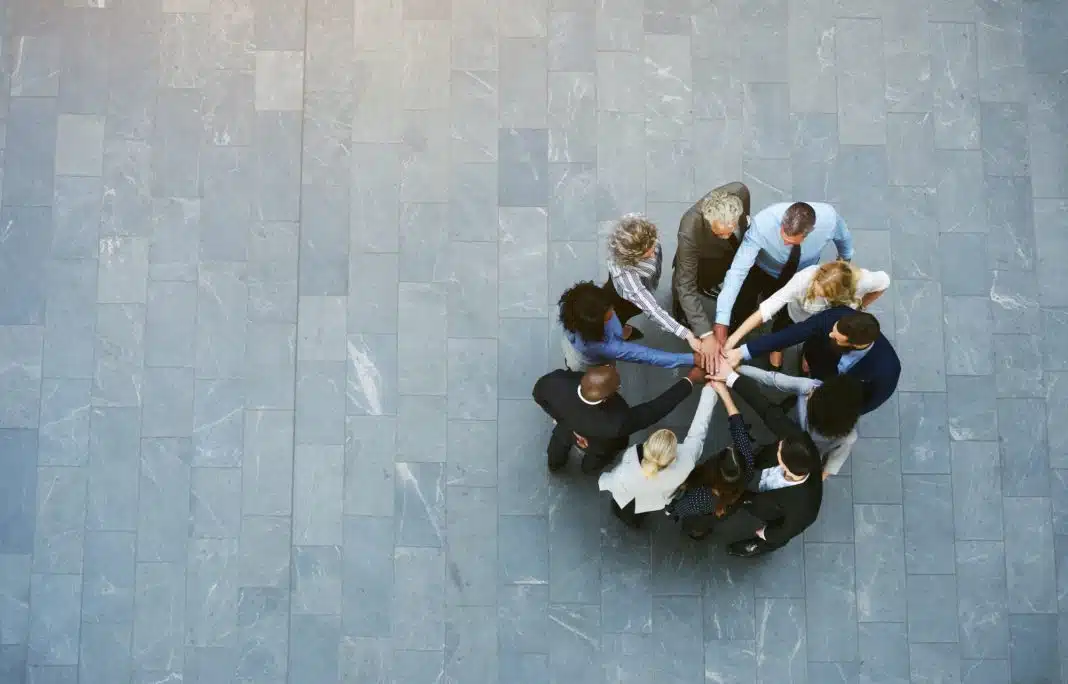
(559, 449)
(624, 308)
(627, 514)
(757, 287)
(700, 525)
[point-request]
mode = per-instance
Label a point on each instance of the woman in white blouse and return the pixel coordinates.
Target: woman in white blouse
(646, 477)
(812, 290)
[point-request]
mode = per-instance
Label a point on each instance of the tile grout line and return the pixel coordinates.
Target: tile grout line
(296, 363)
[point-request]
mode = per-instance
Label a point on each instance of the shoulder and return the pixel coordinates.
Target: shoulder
(823, 211)
(873, 280)
(804, 277)
(689, 222)
(766, 222)
(561, 376)
(887, 352)
(830, 316)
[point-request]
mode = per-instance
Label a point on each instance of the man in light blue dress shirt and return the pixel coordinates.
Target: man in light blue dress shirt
(781, 240)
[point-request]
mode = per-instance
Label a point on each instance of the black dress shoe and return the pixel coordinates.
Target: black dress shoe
(746, 548)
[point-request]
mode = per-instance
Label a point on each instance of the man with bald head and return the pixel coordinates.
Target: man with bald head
(590, 413)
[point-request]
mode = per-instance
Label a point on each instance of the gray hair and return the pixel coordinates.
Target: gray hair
(723, 207)
(632, 237)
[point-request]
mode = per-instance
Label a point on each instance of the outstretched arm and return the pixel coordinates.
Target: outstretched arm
(780, 381)
(736, 426)
(772, 415)
(748, 325)
(644, 415)
(795, 334)
(744, 259)
(629, 286)
(622, 350)
(695, 436)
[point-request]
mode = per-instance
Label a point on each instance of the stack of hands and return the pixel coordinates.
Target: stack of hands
(715, 354)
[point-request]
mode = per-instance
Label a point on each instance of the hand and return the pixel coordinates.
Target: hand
(710, 350)
(804, 365)
(694, 341)
(696, 376)
(760, 533)
(732, 358)
(581, 441)
(719, 385)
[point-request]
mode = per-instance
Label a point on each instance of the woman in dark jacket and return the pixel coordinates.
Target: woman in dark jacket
(714, 487)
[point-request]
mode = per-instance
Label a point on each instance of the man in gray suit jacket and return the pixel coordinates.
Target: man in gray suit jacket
(709, 235)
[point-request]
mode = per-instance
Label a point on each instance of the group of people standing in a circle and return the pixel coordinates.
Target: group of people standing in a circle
(749, 271)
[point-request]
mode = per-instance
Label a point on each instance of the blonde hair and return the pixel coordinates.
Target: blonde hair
(633, 236)
(723, 207)
(835, 281)
(658, 452)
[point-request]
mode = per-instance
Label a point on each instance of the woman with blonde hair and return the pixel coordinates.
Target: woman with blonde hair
(635, 263)
(812, 290)
(647, 475)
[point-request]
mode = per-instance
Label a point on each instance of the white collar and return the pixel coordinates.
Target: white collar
(585, 400)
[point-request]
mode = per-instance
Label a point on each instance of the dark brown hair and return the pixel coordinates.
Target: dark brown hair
(724, 475)
(798, 219)
(860, 328)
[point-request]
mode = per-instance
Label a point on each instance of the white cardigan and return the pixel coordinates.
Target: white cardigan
(628, 483)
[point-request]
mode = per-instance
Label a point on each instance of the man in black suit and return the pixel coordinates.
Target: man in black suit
(837, 341)
(787, 488)
(590, 413)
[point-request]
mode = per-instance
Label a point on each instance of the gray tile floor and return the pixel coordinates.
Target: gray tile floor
(277, 276)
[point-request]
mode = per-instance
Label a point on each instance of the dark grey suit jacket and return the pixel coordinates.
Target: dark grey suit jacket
(702, 259)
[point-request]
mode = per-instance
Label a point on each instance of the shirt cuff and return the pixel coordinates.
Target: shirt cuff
(725, 319)
(732, 378)
(681, 332)
(701, 337)
(745, 352)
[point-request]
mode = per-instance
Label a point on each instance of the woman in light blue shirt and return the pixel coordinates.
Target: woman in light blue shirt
(595, 335)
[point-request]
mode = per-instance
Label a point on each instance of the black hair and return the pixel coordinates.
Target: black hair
(582, 310)
(834, 407)
(799, 455)
(860, 328)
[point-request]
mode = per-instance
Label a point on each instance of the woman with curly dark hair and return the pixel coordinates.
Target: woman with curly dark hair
(595, 335)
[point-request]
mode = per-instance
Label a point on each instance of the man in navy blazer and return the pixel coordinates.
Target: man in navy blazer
(836, 341)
